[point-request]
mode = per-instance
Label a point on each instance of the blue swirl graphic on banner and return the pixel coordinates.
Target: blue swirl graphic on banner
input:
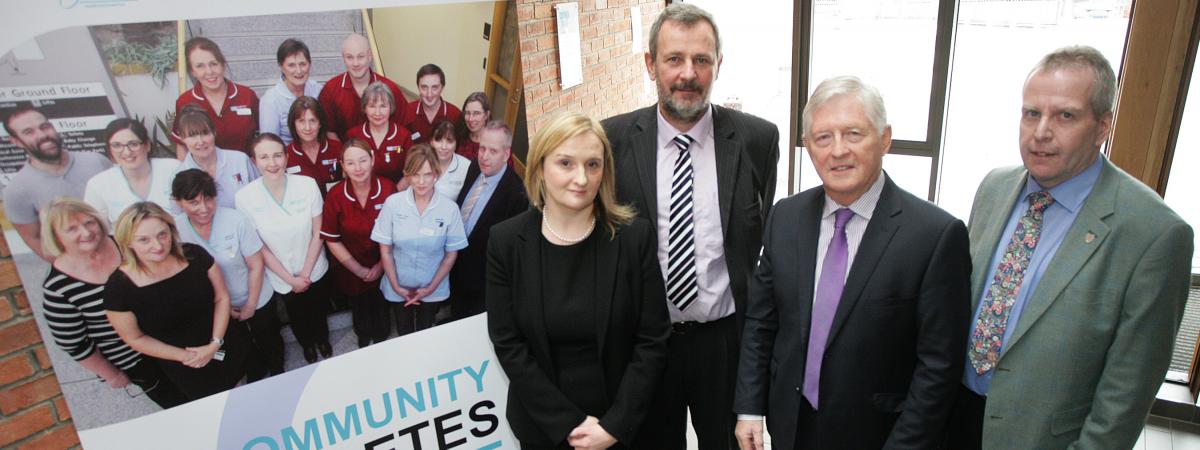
(245, 419)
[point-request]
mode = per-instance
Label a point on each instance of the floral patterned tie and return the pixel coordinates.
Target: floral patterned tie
(988, 336)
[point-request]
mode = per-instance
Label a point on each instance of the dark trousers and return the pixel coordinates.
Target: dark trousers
(965, 430)
(415, 317)
(264, 332)
(463, 306)
(370, 316)
(154, 383)
(701, 367)
(307, 313)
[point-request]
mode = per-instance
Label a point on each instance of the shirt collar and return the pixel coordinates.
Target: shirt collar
(441, 113)
(346, 78)
(393, 129)
(1071, 193)
(230, 87)
(190, 163)
(346, 189)
(700, 132)
(864, 206)
(409, 199)
(295, 146)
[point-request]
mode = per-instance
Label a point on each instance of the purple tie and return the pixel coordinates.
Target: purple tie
(829, 292)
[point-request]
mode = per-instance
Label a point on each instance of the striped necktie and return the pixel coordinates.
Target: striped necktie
(469, 203)
(682, 290)
(987, 338)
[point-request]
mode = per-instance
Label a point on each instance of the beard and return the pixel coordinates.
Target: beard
(682, 111)
(52, 155)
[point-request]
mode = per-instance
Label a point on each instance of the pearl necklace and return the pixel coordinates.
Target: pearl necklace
(546, 221)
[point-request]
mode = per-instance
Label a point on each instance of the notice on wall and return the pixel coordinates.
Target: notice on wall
(570, 57)
(79, 111)
(635, 20)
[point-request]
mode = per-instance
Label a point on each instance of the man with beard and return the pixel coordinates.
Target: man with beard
(50, 172)
(705, 175)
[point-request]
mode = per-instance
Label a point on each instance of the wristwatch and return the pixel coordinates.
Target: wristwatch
(220, 342)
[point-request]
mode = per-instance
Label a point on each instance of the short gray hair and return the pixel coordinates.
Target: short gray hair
(866, 94)
(496, 125)
(378, 90)
(685, 14)
(1104, 85)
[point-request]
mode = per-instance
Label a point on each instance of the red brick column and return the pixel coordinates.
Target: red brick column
(33, 413)
(612, 74)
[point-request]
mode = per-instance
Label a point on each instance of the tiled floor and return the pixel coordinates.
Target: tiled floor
(1166, 434)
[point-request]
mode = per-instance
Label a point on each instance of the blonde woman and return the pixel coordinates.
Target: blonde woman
(168, 300)
(419, 235)
(579, 274)
(84, 257)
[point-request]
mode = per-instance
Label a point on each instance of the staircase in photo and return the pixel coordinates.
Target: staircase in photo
(249, 43)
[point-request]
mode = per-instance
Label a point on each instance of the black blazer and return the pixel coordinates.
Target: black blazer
(896, 347)
(747, 150)
(631, 333)
(466, 277)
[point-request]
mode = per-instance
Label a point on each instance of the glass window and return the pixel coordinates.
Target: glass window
(1182, 182)
(996, 44)
(756, 71)
(889, 44)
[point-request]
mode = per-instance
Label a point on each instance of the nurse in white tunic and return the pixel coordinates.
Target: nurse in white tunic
(135, 177)
(286, 210)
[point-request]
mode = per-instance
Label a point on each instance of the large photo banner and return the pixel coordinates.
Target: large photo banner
(440, 388)
(83, 65)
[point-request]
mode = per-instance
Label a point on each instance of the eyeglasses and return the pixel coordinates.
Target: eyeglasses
(131, 145)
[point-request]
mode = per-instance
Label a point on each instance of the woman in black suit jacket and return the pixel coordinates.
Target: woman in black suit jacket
(575, 299)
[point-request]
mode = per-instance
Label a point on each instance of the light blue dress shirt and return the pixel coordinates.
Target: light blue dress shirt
(419, 241)
(484, 196)
(274, 105)
(1056, 220)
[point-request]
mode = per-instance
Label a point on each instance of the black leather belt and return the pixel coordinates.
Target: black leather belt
(684, 327)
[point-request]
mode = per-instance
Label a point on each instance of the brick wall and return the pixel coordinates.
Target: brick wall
(612, 74)
(33, 413)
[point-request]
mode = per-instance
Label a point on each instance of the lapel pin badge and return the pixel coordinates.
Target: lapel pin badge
(1089, 237)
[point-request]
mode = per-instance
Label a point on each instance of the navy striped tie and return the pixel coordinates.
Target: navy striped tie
(682, 290)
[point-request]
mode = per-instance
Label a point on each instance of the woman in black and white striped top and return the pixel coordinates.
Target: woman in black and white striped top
(77, 236)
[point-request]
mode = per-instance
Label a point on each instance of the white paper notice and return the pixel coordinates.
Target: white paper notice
(570, 58)
(635, 19)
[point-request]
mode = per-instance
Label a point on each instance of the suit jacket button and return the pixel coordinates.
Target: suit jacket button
(797, 389)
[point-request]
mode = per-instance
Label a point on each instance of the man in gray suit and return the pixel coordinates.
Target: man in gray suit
(1080, 278)
(705, 175)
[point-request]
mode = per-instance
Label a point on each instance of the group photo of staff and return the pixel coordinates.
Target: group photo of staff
(304, 194)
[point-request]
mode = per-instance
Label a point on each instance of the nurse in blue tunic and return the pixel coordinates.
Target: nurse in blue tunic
(419, 235)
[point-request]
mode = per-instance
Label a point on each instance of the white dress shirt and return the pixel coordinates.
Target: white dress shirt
(715, 300)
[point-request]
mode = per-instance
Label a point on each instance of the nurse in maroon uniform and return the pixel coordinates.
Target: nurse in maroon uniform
(422, 115)
(387, 138)
(476, 113)
(342, 95)
(350, 211)
(311, 153)
(231, 106)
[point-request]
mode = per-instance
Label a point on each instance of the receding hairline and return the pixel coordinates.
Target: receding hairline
(355, 39)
